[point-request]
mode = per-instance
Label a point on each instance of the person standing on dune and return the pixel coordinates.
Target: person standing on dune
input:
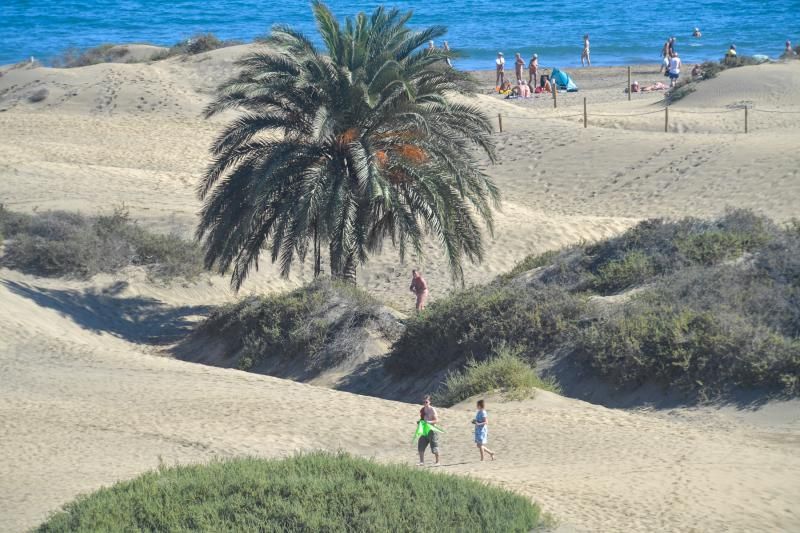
(420, 288)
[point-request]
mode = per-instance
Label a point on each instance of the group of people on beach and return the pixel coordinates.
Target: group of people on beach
(429, 416)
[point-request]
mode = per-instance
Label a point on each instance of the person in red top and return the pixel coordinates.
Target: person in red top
(420, 288)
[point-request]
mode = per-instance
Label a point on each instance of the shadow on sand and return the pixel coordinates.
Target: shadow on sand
(135, 319)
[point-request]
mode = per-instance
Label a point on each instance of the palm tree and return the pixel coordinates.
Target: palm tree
(348, 147)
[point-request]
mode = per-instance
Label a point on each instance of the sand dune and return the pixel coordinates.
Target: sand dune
(83, 407)
(87, 400)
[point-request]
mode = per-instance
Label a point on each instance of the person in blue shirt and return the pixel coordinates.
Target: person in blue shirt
(481, 422)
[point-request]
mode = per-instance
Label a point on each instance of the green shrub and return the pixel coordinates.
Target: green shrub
(196, 44)
(104, 53)
(529, 263)
(633, 269)
(698, 352)
(314, 492)
(58, 243)
(471, 324)
(718, 309)
(507, 371)
(318, 325)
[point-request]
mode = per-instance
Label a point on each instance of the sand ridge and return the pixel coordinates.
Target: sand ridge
(87, 399)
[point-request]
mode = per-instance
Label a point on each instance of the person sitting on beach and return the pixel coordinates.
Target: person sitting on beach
(731, 51)
(533, 69)
(524, 90)
(500, 69)
(505, 88)
(519, 64)
(696, 33)
(585, 53)
(674, 69)
(431, 46)
(697, 71)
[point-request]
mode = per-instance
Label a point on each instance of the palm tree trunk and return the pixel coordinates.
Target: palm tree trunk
(317, 252)
(349, 271)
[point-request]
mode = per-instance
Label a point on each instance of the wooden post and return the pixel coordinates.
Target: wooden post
(745, 119)
(666, 119)
(500, 122)
(629, 84)
(585, 118)
(555, 94)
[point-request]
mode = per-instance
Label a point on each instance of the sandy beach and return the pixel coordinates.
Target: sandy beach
(87, 400)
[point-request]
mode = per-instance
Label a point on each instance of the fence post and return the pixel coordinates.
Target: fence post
(500, 122)
(555, 94)
(585, 119)
(745, 119)
(629, 84)
(666, 119)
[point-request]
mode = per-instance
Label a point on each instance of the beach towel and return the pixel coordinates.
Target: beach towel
(563, 81)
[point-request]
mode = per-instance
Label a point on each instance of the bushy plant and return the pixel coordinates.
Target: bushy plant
(104, 53)
(632, 269)
(318, 325)
(703, 353)
(506, 371)
(473, 323)
(314, 492)
(59, 243)
(717, 309)
(196, 44)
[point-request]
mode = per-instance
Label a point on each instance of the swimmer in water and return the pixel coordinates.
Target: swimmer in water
(696, 33)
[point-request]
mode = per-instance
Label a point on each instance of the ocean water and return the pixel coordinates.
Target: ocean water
(621, 31)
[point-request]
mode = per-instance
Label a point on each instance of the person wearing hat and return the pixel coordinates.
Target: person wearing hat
(533, 70)
(500, 68)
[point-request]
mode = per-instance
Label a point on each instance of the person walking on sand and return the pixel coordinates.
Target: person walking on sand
(420, 288)
(500, 69)
(519, 65)
(674, 69)
(481, 422)
(533, 70)
(428, 414)
(585, 53)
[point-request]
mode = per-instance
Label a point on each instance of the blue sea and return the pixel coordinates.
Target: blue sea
(621, 31)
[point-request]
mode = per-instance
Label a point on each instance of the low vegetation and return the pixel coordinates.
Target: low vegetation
(112, 53)
(60, 243)
(196, 44)
(506, 372)
(317, 326)
(708, 70)
(104, 53)
(315, 492)
(703, 307)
